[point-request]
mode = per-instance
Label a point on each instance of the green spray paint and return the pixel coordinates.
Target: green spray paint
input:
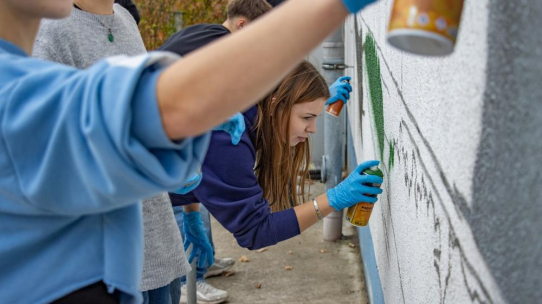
(375, 89)
(391, 160)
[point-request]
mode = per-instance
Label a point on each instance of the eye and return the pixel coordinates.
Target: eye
(308, 118)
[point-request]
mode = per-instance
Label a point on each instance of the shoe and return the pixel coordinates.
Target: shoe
(220, 265)
(206, 294)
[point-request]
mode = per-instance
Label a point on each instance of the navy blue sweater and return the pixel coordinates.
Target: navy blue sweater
(230, 191)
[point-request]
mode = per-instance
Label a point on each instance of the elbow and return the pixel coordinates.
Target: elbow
(252, 245)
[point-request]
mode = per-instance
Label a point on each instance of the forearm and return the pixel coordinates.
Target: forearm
(209, 85)
(306, 214)
(191, 207)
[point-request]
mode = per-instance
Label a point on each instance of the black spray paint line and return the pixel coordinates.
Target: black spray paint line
(447, 215)
(439, 169)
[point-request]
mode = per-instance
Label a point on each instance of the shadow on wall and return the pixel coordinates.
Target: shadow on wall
(507, 187)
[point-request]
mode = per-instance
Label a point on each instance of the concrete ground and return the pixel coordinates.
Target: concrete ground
(321, 272)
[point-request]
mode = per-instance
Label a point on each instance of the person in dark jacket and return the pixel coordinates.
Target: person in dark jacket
(189, 39)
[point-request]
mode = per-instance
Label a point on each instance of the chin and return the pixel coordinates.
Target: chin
(56, 9)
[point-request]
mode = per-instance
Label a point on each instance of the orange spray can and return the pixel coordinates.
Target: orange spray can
(359, 214)
(336, 107)
(425, 27)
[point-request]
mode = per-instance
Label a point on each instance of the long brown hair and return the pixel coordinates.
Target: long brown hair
(279, 167)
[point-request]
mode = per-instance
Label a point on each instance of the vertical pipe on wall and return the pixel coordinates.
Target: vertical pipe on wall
(332, 68)
(191, 290)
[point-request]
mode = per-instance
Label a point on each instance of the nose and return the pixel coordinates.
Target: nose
(311, 128)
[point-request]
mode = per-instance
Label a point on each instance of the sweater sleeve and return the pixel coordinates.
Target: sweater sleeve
(230, 191)
(90, 141)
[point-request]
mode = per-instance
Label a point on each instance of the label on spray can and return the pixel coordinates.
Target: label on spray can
(359, 214)
(425, 27)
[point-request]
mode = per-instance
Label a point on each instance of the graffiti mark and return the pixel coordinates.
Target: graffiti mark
(359, 58)
(391, 160)
(375, 89)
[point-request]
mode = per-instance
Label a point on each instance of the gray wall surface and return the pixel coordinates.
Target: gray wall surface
(460, 141)
(507, 188)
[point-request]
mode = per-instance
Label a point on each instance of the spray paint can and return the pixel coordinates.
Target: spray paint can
(336, 107)
(359, 214)
(425, 27)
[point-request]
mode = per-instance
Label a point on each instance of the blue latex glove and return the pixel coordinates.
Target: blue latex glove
(340, 89)
(352, 190)
(235, 126)
(355, 6)
(192, 184)
(194, 233)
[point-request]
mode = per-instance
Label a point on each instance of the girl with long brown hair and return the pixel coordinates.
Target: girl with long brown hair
(252, 188)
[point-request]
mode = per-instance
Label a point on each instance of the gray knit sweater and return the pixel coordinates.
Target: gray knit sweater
(80, 41)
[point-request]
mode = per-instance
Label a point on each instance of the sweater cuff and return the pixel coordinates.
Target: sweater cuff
(285, 224)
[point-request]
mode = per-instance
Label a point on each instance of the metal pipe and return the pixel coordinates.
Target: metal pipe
(192, 297)
(333, 67)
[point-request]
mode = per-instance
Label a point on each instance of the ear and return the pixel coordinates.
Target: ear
(241, 22)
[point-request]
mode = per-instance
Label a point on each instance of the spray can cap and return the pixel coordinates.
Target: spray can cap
(374, 170)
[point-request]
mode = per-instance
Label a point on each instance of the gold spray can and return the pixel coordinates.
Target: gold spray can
(425, 27)
(359, 214)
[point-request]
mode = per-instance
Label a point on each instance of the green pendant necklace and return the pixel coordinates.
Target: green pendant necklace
(110, 36)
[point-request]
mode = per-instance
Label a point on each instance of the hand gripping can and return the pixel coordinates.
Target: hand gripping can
(425, 27)
(336, 107)
(359, 214)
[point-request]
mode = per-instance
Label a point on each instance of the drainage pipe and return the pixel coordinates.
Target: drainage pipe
(332, 163)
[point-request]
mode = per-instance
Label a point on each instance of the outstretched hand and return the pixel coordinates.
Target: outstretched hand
(194, 233)
(355, 188)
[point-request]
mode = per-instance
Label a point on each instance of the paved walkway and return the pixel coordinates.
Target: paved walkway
(321, 272)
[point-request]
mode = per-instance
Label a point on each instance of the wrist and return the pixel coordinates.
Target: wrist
(191, 208)
(317, 209)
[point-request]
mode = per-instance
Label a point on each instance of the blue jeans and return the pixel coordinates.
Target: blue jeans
(206, 218)
(169, 294)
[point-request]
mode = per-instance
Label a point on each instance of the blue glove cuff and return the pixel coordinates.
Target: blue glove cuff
(332, 199)
(355, 6)
(192, 217)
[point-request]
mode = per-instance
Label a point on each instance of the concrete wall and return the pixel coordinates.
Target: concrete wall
(460, 140)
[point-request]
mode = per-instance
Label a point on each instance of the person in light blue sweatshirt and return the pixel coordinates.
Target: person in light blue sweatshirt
(79, 149)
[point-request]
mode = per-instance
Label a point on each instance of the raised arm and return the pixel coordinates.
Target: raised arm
(211, 84)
